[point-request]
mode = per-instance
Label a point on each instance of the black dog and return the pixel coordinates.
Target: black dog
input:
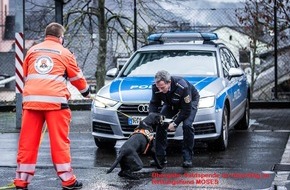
(139, 142)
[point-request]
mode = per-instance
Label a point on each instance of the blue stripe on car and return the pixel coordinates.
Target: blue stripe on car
(201, 82)
(139, 88)
(220, 100)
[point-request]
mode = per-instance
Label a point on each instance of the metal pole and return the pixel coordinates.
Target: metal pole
(59, 11)
(275, 50)
(135, 26)
(19, 28)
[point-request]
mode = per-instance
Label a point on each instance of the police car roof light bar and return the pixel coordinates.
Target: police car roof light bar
(182, 36)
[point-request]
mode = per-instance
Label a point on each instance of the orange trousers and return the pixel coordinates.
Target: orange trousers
(58, 122)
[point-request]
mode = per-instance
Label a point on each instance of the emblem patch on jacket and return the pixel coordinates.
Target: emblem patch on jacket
(187, 99)
(43, 64)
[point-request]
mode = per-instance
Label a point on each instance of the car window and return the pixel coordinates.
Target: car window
(181, 62)
(233, 61)
(228, 60)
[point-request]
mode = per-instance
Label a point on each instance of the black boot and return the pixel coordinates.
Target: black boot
(21, 188)
(76, 185)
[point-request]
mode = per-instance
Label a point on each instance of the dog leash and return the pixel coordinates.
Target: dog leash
(93, 98)
(166, 119)
(8, 186)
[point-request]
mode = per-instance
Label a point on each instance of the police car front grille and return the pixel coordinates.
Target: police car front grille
(206, 128)
(102, 128)
(129, 109)
(125, 111)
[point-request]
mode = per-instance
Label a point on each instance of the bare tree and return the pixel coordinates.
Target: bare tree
(283, 15)
(249, 17)
(111, 21)
(107, 22)
(257, 19)
(91, 24)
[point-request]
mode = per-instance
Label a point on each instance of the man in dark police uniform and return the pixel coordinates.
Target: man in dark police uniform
(180, 102)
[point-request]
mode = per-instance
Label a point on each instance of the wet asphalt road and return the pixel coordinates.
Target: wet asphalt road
(246, 164)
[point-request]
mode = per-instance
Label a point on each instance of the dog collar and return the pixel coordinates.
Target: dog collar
(147, 134)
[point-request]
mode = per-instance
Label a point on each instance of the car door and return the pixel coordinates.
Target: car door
(241, 81)
(236, 85)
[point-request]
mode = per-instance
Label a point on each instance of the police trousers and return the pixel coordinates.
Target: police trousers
(188, 133)
(33, 122)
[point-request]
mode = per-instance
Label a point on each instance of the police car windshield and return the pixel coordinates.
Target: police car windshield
(176, 62)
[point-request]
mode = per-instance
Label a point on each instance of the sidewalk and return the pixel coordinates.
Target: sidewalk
(270, 119)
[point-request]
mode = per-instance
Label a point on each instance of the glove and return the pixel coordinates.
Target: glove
(89, 96)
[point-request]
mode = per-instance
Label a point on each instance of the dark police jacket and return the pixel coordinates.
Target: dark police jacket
(181, 96)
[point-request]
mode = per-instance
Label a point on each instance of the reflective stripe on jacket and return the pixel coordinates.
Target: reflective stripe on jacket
(46, 68)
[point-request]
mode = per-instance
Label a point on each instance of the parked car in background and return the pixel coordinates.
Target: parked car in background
(211, 67)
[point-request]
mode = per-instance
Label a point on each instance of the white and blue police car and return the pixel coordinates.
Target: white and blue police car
(211, 67)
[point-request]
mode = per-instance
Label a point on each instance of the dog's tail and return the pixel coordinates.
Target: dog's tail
(116, 162)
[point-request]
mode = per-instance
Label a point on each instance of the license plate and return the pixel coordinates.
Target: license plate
(135, 120)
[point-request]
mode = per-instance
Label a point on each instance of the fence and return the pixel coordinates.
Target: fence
(84, 44)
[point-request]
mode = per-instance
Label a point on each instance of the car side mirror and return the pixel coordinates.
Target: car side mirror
(235, 72)
(112, 72)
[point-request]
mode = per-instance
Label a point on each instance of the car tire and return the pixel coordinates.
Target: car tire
(243, 124)
(105, 143)
(222, 142)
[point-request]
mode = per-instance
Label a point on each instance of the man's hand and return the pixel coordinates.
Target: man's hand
(90, 96)
(171, 127)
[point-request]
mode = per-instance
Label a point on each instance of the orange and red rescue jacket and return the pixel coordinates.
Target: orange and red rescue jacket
(47, 68)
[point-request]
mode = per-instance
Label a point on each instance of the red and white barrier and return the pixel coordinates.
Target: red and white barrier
(19, 57)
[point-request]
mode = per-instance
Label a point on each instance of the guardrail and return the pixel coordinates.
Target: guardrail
(7, 80)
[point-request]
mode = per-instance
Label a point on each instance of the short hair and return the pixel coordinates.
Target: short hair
(162, 76)
(54, 29)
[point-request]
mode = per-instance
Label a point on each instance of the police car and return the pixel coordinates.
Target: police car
(211, 67)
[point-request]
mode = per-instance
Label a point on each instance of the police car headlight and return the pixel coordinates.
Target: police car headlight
(104, 102)
(206, 102)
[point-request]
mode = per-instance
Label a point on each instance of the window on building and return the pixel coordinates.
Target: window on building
(245, 56)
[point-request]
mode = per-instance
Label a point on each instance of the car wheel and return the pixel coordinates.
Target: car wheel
(105, 143)
(243, 124)
(222, 142)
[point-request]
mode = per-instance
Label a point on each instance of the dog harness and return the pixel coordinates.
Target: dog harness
(147, 134)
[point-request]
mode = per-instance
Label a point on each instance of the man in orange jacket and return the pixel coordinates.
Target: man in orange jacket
(47, 68)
